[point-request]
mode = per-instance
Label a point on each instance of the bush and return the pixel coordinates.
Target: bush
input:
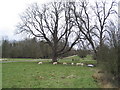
(108, 60)
(108, 56)
(83, 53)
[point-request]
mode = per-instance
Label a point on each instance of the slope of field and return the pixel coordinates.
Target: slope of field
(47, 75)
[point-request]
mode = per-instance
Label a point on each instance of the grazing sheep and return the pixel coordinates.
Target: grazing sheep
(82, 64)
(3, 59)
(39, 62)
(72, 63)
(64, 63)
(54, 63)
(79, 64)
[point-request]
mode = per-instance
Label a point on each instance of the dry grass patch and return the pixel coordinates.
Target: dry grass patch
(104, 79)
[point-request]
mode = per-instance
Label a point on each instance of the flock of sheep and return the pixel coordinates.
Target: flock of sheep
(64, 63)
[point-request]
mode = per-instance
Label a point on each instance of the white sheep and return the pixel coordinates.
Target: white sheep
(39, 62)
(72, 63)
(64, 63)
(82, 64)
(79, 64)
(54, 63)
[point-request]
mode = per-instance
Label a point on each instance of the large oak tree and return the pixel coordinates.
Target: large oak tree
(53, 22)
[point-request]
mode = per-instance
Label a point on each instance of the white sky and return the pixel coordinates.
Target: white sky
(9, 16)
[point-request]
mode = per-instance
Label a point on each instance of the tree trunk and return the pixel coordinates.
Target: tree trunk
(54, 53)
(54, 58)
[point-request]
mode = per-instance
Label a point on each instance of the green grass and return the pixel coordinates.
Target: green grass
(32, 75)
(17, 59)
(77, 59)
(24, 59)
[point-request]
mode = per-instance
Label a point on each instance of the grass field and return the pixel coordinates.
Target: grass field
(32, 75)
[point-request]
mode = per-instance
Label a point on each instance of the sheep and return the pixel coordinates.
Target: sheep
(82, 64)
(54, 63)
(72, 63)
(64, 63)
(3, 59)
(79, 64)
(39, 62)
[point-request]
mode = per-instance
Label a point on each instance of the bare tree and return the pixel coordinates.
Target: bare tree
(93, 32)
(103, 11)
(53, 23)
(113, 32)
(83, 22)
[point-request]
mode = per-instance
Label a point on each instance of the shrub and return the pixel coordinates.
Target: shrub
(108, 60)
(83, 53)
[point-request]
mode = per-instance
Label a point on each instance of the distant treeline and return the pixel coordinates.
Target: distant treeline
(28, 48)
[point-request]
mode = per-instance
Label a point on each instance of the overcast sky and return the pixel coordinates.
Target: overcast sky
(9, 16)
